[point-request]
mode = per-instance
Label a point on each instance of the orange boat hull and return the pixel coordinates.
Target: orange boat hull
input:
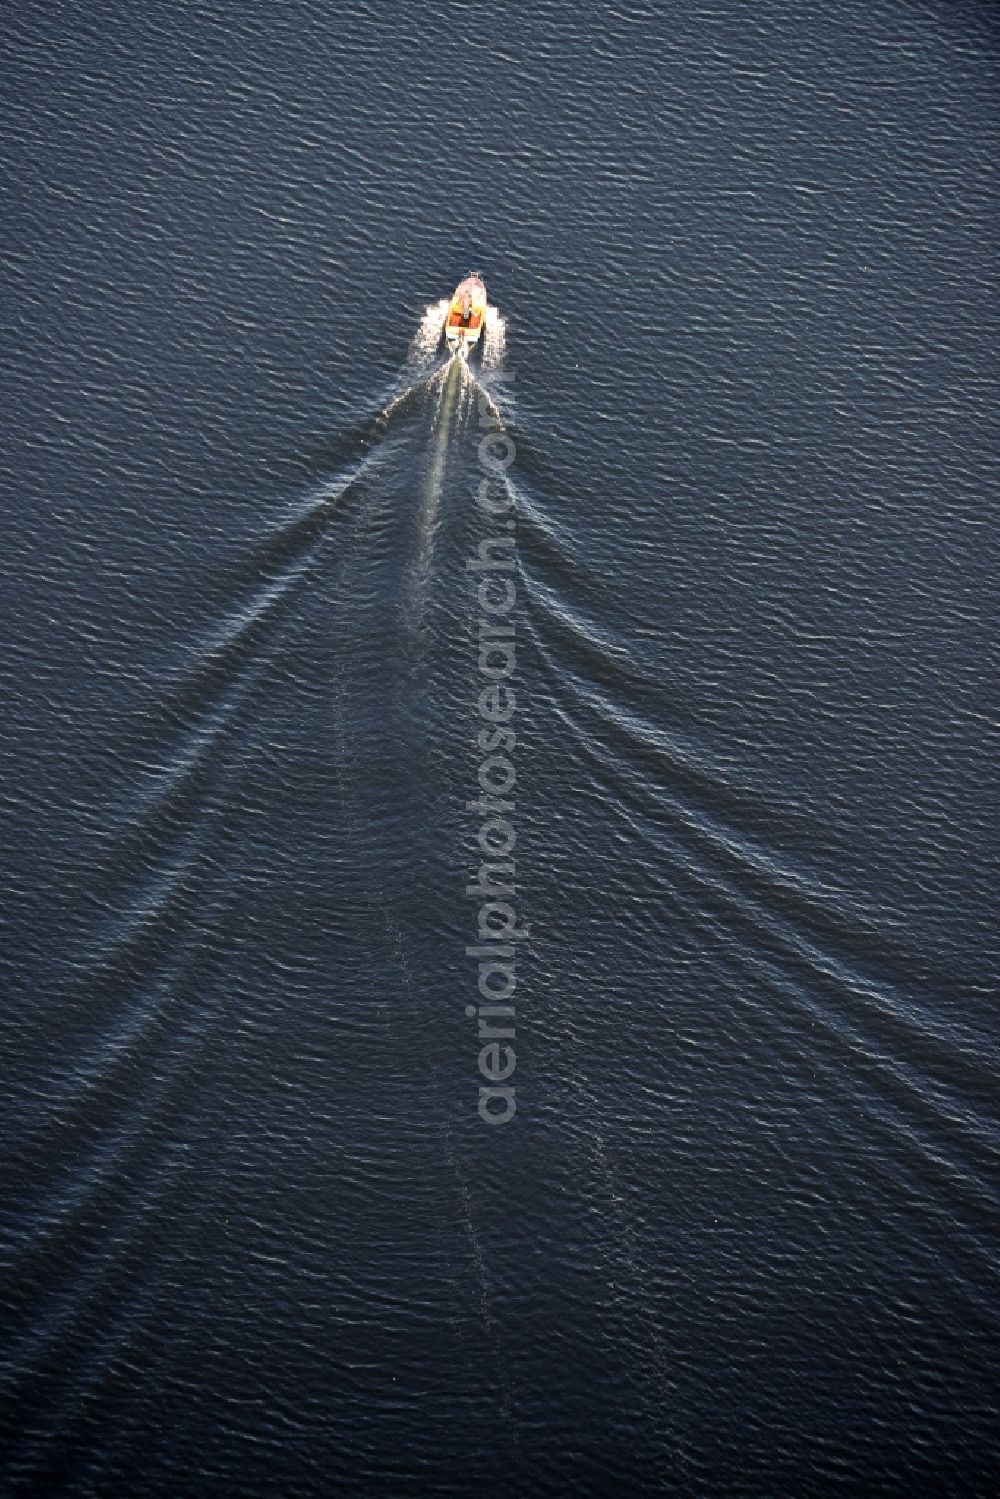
(467, 313)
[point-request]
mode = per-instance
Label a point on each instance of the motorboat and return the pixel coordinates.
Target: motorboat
(466, 314)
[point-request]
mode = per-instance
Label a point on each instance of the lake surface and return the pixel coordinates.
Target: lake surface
(739, 1238)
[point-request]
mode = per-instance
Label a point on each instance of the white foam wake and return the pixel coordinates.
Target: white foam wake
(427, 339)
(424, 367)
(494, 339)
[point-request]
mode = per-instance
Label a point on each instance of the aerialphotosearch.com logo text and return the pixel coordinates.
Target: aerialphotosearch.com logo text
(498, 933)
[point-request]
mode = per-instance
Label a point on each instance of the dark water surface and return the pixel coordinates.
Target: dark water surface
(739, 1238)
